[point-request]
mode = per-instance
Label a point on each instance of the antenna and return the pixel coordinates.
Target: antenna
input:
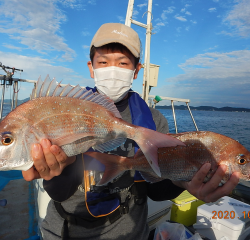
(148, 27)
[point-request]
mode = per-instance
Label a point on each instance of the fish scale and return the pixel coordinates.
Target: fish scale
(79, 119)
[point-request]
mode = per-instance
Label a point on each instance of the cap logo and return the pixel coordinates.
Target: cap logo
(115, 31)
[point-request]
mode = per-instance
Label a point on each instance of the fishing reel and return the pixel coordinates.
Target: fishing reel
(7, 79)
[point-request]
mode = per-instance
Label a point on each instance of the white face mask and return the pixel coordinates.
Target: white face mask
(113, 82)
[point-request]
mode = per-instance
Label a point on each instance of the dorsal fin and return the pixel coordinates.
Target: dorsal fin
(48, 88)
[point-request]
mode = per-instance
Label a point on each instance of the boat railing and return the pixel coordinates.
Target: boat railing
(7, 80)
(187, 101)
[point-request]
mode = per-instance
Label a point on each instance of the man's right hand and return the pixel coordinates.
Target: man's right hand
(49, 161)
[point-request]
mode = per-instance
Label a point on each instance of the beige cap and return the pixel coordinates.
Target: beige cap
(117, 33)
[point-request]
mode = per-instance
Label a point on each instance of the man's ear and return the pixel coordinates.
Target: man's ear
(137, 69)
(90, 69)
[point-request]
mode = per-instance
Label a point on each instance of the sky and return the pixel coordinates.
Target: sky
(202, 46)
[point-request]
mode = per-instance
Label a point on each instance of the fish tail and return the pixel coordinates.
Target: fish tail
(113, 166)
(149, 141)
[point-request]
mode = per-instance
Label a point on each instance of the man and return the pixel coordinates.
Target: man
(115, 54)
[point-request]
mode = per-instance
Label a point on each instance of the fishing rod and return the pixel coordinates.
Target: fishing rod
(9, 74)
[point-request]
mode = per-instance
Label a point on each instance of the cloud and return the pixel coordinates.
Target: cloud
(85, 46)
(211, 78)
(160, 24)
(212, 9)
(121, 18)
(93, 2)
(219, 65)
(163, 16)
(85, 33)
(178, 29)
(211, 48)
(12, 47)
(168, 11)
(142, 5)
(238, 18)
(135, 13)
(180, 18)
(33, 67)
(193, 21)
(35, 24)
(218, 70)
(183, 10)
(73, 4)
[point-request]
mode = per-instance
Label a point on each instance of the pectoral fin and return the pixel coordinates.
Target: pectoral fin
(67, 139)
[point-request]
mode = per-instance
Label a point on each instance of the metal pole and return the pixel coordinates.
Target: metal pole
(192, 117)
(129, 13)
(145, 90)
(13, 97)
(16, 93)
(2, 100)
(175, 123)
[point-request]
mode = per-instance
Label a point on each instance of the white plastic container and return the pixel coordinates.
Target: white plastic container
(41, 200)
(158, 212)
(227, 218)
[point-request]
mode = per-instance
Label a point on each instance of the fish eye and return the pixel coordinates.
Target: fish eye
(7, 140)
(241, 159)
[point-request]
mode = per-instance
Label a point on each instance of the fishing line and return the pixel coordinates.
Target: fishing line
(10, 96)
(15, 89)
(20, 83)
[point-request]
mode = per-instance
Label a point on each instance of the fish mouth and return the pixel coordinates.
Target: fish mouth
(23, 166)
(3, 163)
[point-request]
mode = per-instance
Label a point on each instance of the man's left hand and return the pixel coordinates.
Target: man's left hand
(210, 191)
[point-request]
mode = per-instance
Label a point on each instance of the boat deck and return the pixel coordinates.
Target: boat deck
(17, 217)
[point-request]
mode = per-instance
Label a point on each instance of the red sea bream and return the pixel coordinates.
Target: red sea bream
(182, 162)
(75, 119)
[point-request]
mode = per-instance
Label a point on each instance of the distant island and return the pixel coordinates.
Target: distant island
(181, 107)
(205, 108)
(8, 101)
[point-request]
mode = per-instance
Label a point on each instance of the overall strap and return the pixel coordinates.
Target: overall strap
(141, 116)
(140, 112)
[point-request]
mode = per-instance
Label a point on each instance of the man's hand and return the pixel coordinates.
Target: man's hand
(49, 161)
(210, 191)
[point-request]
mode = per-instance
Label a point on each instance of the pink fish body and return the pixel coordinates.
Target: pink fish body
(75, 119)
(182, 162)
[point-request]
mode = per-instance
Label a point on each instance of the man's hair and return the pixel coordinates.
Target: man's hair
(112, 47)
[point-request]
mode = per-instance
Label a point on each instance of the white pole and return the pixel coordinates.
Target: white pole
(145, 90)
(129, 13)
(2, 100)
